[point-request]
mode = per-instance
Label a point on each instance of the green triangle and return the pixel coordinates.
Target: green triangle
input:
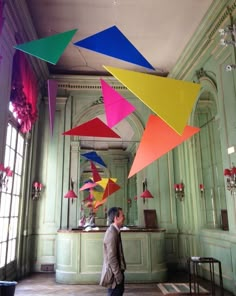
(48, 49)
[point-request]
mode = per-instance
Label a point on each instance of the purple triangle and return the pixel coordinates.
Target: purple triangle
(52, 94)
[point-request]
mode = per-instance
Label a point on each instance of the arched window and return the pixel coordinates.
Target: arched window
(209, 157)
(22, 114)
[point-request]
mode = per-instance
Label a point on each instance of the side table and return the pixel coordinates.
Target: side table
(193, 269)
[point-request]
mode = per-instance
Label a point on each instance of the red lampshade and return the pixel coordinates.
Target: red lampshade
(176, 187)
(70, 194)
(233, 171)
(146, 194)
(227, 172)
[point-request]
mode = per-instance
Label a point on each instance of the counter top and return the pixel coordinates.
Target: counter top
(103, 229)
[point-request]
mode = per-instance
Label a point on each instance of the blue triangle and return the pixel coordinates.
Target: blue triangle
(112, 42)
(94, 157)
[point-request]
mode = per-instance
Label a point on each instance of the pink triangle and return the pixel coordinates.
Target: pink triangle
(52, 95)
(158, 139)
(96, 176)
(92, 128)
(88, 185)
(116, 107)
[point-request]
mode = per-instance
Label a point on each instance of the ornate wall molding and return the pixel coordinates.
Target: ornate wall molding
(85, 83)
(203, 74)
(204, 38)
(78, 86)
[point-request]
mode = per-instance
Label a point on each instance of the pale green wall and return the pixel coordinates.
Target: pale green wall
(201, 236)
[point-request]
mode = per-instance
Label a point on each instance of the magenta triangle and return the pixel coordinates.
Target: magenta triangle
(116, 107)
(52, 94)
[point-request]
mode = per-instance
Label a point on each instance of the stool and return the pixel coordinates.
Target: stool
(193, 266)
(7, 288)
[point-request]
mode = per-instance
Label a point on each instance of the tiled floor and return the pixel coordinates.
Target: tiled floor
(44, 284)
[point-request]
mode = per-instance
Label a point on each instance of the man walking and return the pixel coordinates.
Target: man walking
(113, 258)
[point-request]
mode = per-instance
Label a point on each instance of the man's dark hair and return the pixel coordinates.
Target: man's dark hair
(112, 213)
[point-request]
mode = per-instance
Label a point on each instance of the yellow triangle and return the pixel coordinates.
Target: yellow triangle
(104, 182)
(172, 100)
(97, 195)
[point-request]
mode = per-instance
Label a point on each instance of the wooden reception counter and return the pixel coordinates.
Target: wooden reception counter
(80, 255)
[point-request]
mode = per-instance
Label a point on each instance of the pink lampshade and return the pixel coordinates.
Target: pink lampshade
(70, 194)
(146, 194)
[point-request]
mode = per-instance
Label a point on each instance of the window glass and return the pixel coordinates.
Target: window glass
(13, 137)
(10, 195)
(18, 167)
(8, 141)
(16, 188)
(20, 146)
(15, 205)
(3, 250)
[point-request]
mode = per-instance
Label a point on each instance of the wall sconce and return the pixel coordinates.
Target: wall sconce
(179, 191)
(201, 187)
(229, 68)
(227, 30)
(5, 173)
(36, 191)
(146, 193)
(230, 175)
(129, 201)
(228, 34)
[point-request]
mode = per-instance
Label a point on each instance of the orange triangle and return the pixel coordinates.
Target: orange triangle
(98, 204)
(92, 128)
(158, 139)
(110, 188)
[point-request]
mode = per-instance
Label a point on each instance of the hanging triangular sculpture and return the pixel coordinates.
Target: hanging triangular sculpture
(48, 49)
(170, 99)
(112, 42)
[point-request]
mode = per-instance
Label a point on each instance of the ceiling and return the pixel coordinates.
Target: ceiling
(159, 29)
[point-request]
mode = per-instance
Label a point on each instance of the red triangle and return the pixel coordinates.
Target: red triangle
(92, 128)
(158, 139)
(110, 188)
(96, 176)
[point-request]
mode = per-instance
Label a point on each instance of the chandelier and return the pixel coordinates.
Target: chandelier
(5, 173)
(230, 175)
